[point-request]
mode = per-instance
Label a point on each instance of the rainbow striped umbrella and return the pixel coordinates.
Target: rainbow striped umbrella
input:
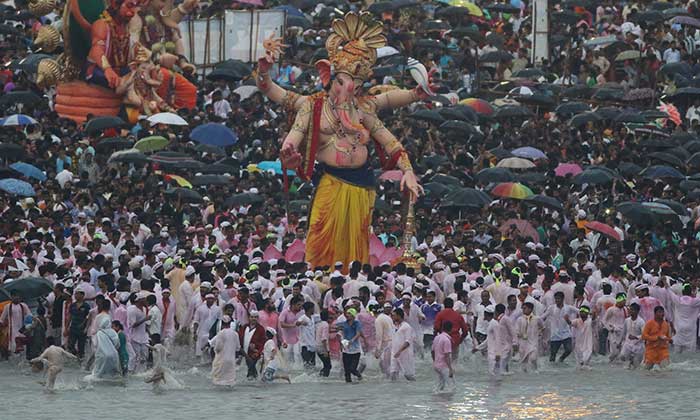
(512, 190)
(480, 106)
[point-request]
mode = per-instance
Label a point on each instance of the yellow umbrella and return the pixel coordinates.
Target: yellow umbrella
(473, 8)
(253, 168)
(180, 180)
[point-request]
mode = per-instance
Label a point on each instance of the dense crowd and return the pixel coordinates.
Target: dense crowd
(561, 207)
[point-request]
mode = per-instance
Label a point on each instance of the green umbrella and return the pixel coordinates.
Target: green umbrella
(151, 144)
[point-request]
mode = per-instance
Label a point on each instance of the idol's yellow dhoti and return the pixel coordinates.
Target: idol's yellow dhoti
(341, 214)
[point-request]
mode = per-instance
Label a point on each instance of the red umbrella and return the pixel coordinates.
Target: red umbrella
(606, 230)
(394, 175)
(522, 228)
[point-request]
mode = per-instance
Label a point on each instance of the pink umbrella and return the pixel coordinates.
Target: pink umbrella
(296, 251)
(253, 2)
(522, 228)
(394, 175)
(272, 253)
(565, 169)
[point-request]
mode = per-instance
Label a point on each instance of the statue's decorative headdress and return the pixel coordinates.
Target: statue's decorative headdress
(352, 46)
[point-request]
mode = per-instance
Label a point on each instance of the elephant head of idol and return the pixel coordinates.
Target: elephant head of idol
(352, 51)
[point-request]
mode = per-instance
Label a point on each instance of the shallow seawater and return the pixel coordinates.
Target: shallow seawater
(555, 392)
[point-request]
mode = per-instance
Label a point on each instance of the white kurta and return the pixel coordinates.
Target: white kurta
(204, 317)
(583, 340)
(13, 319)
(223, 368)
(406, 362)
(528, 330)
(685, 315)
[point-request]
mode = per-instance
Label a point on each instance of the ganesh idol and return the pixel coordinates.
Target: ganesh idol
(332, 131)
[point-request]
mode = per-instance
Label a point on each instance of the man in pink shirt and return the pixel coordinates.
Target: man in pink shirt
(289, 329)
(268, 317)
(442, 357)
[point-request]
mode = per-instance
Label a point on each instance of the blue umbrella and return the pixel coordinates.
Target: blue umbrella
(17, 119)
(528, 153)
(275, 166)
(291, 10)
(30, 171)
(661, 171)
(214, 134)
(17, 187)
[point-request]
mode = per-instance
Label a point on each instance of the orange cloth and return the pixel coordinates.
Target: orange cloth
(656, 350)
(339, 223)
(178, 91)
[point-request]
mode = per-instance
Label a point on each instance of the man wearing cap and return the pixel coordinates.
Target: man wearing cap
(646, 302)
(253, 339)
(350, 331)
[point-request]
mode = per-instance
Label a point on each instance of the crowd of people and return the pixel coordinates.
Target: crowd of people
(601, 262)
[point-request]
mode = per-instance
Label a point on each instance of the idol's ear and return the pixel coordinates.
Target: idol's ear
(324, 71)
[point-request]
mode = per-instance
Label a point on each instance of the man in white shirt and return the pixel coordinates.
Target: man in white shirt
(221, 106)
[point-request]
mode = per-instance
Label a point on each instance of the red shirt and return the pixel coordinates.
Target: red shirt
(458, 323)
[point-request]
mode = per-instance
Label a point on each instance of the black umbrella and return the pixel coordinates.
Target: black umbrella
(447, 180)
(429, 44)
(495, 175)
(529, 73)
(428, 115)
(458, 128)
(545, 201)
(692, 146)
(630, 117)
(496, 39)
(653, 114)
(694, 160)
(30, 63)
(661, 5)
(679, 208)
(651, 142)
(98, 124)
(512, 111)
(637, 214)
(679, 152)
(299, 206)
(29, 288)
(593, 177)
(568, 109)
(566, 16)
(502, 8)
(211, 149)
(688, 185)
(128, 156)
(466, 198)
(190, 165)
(20, 97)
(8, 30)
(667, 158)
(185, 194)
(381, 206)
(683, 137)
(381, 7)
(452, 11)
(469, 112)
(500, 153)
(495, 57)
(200, 180)
(467, 32)
(686, 94)
(435, 189)
(680, 67)
(230, 70)
(608, 112)
(531, 178)
(434, 161)
(111, 144)
(435, 25)
(453, 113)
(652, 16)
(244, 199)
(629, 168)
(607, 94)
(11, 151)
(300, 21)
(583, 119)
(537, 99)
(578, 91)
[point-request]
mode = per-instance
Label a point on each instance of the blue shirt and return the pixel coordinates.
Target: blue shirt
(430, 312)
(349, 330)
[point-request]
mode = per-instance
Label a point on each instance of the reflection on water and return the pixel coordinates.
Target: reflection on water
(558, 392)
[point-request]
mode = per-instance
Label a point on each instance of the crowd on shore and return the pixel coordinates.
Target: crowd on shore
(561, 215)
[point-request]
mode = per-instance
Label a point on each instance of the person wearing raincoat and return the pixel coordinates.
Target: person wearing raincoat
(106, 346)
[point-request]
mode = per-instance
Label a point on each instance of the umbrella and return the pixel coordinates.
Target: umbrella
(679, 152)
(529, 73)
(660, 171)
(529, 153)
(98, 124)
(394, 175)
(214, 134)
(545, 201)
(17, 119)
(651, 16)
(17, 187)
(213, 150)
(29, 171)
(30, 63)
(583, 119)
(687, 93)
(447, 180)
(564, 169)
(480, 106)
(218, 168)
(457, 127)
(435, 25)
(676, 11)
(511, 190)
(467, 32)
(578, 91)
(679, 208)
(436, 189)
(113, 143)
(276, 166)
(151, 144)
(691, 146)
(182, 182)
(201, 180)
(667, 158)
(639, 94)
(515, 163)
(694, 160)
(520, 227)
(628, 55)
(568, 109)
(244, 199)
(680, 67)
(434, 161)
(608, 112)
(608, 94)
(688, 185)
(502, 8)
(246, 91)
(300, 21)
(632, 117)
(11, 150)
(428, 115)
(128, 156)
(531, 178)
(29, 288)
(500, 153)
(299, 206)
(686, 20)
(465, 198)
(629, 168)
(606, 230)
(513, 111)
(495, 57)
(593, 177)
(659, 208)
(653, 114)
(185, 194)
(454, 113)
(19, 97)
(386, 52)
(167, 118)
(598, 41)
(380, 7)
(429, 44)
(232, 70)
(494, 175)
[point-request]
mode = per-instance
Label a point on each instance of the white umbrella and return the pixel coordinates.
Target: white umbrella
(246, 91)
(63, 177)
(167, 118)
(521, 91)
(515, 163)
(386, 52)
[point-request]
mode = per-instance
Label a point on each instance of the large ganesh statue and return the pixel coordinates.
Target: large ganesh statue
(331, 134)
(121, 57)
